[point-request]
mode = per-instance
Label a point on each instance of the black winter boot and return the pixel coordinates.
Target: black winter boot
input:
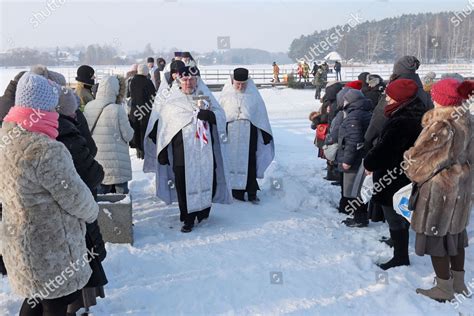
(400, 250)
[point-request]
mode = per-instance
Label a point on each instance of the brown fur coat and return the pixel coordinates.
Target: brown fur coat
(444, 204)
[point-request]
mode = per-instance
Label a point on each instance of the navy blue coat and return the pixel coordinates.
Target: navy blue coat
(357, 114)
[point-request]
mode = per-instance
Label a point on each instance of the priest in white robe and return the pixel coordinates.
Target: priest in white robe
(191, 140)
(251, 148)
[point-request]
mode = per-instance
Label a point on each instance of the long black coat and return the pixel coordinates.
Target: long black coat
(398, 134)
(92, 173)
(142, 92)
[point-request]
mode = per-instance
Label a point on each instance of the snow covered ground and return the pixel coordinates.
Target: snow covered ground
(290, 255)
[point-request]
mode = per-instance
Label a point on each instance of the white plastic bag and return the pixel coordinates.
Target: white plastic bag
(367, 189)
(400, 201)
(330, 151)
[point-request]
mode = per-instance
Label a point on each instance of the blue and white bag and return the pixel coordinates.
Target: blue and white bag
(401, 200)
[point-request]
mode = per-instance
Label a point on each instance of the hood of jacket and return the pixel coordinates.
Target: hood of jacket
(356, 100)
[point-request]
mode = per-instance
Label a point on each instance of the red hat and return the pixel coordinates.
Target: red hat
(445, 92)
(402, 89)
(466, 89)
(354, 84)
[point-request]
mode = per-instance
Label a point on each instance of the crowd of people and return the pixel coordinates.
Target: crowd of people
(62, 147)
(406, 131)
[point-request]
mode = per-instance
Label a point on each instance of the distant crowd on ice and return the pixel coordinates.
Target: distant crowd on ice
(401, 152)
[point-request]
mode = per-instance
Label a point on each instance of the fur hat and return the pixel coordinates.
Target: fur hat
(445, 92)
(402, 90)
(143, 70)
(48, 74)
(35, 91)
(374, 80)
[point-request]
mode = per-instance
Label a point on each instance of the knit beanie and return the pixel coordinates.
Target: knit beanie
(37, 92)
(402, 89)
(68, 104)
(445, 92)
(85, 74)
(354, 84)
(143, 70)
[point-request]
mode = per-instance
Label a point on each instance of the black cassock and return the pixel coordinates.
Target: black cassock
(179, 168)
(252, 184)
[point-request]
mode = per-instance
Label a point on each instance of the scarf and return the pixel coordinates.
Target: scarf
(390, 109)
(35, 120)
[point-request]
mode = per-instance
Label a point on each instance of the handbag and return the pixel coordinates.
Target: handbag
(321, 131)
(330, 151)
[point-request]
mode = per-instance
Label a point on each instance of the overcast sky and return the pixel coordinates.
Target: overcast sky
(189, 24)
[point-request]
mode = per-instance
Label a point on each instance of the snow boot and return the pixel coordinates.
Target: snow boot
(239, 195)
(187, 228)
(353, 222)
(253, 198)
(400, 250)
(459, 285)
(442, 292)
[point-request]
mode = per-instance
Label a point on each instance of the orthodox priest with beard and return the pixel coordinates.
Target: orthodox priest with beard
(250, 144)
(191, 150)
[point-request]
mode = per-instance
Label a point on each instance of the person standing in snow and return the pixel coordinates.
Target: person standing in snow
(276, 72)
(404, 111)
(319, 83)
(85, 81)
(92, 173)
(111, 131)
(153, 72)
(439, 164)
(305, 71)
(357, 111)
(337, 69)
(190, 145)
(315, 69)
(47, 234)
(320, 121)
(250, 144)
(142, 93)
